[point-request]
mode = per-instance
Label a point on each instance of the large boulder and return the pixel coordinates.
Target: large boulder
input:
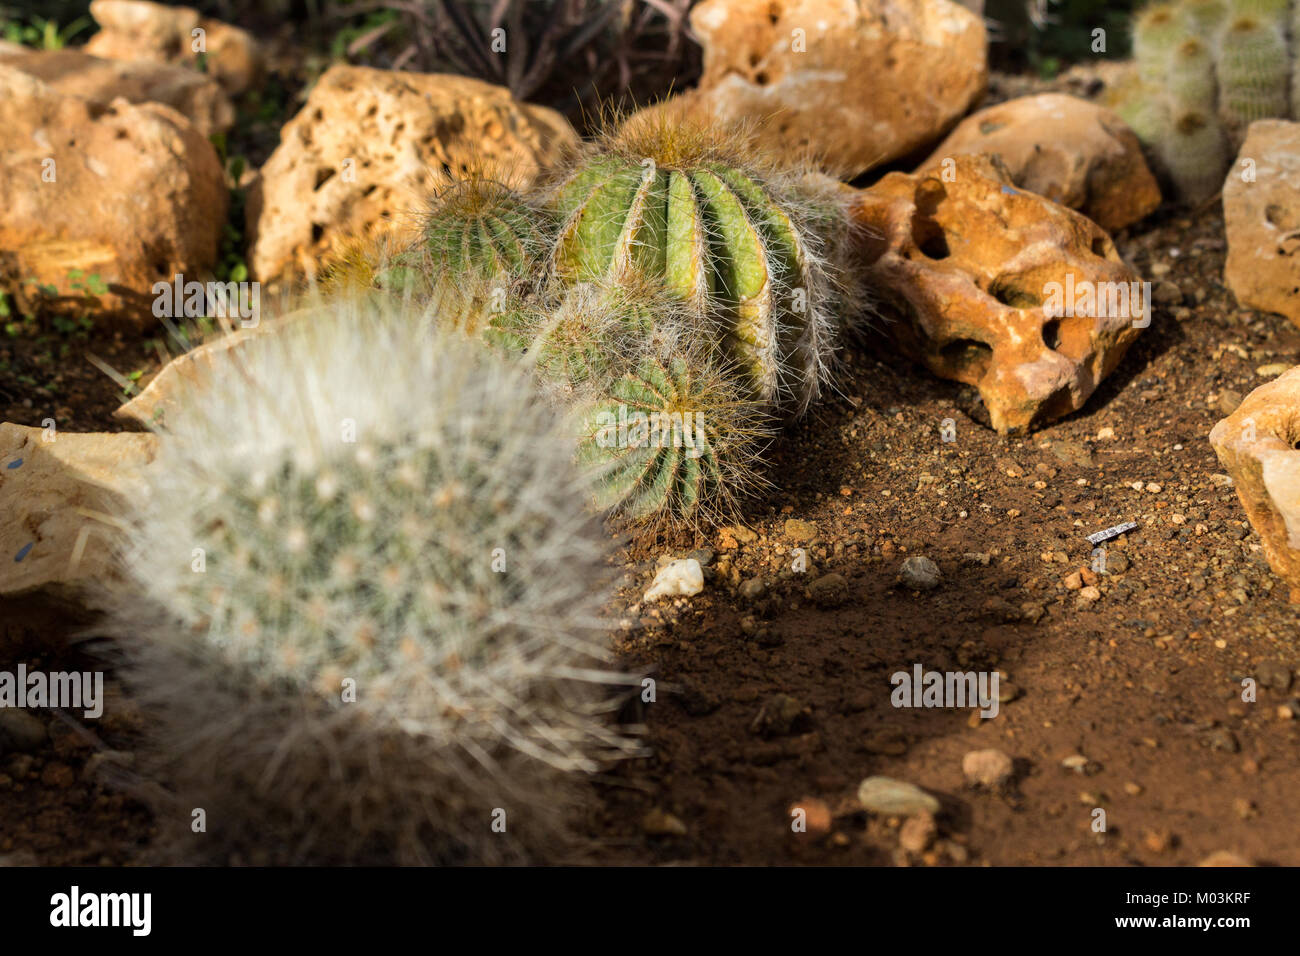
(1257, 445)
(1261, 211)
(56, 488)
(364, 151)
(854, 83)
(131, 193)
(1070, 150)
(1000, 288)
(195, 96)
(137, 30)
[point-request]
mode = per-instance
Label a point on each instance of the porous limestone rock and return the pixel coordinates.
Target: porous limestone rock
(364, 152)
(131, 193)
(1257, 445)
(1261, 210)
(1074, 152)
(138, 30)
(195, 96)
(1000, 288)
(53, 485)
(855, 83)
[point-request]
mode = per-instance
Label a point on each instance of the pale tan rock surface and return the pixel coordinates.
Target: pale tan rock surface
(364, 152)
(195, 96)
(1261, 211)
(1257, 445)
(132, 193)
(856, 83)
(138, 30)
(1065, 148)
(54, 496)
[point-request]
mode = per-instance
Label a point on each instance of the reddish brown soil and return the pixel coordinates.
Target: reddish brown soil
(1145, 682)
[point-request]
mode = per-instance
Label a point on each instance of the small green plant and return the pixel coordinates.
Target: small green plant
(42, 33)
(675, 440)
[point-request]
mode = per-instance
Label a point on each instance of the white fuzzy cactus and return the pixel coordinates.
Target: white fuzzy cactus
(357, 507)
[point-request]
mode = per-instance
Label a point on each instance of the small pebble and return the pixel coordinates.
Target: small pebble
(920, 574)
(987, 768)
(661, 823)
(918, 832)
(683, 577)
(886, 795)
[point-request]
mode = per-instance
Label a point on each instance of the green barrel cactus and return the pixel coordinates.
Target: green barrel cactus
(669, 200)
(673, 441)
(478, 239)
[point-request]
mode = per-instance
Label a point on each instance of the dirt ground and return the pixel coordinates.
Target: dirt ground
(1142, 686)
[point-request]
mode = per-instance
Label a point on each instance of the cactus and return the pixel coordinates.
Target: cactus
(1295, 67)
(440, 564)
(1192, 83)
(1254, 66)
(1195, 153)
(478, 239)
(1204, 18)
(673, 441)
(665, 197)
(1157, 30)
(1201, 57)
(1272, 12)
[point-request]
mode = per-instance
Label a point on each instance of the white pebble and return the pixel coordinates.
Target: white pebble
(683, 577)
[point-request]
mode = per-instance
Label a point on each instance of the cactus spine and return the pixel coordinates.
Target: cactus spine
(479, 238)
(673, 440)
(356, 502)
(1195, 153)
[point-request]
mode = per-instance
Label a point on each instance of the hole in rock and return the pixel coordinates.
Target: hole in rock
(968, 358)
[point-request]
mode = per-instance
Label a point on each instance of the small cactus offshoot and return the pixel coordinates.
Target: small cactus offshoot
(479, 238)
(367, 596)
(673, 441)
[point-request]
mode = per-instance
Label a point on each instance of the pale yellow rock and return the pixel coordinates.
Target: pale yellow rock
(132, 193)
(195, 96)
(58, 498)
(1261, 211)
(856, 83)
(158, 402)
(138, 30)
(1257, 445)
(367, 149)
(1065, 148)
